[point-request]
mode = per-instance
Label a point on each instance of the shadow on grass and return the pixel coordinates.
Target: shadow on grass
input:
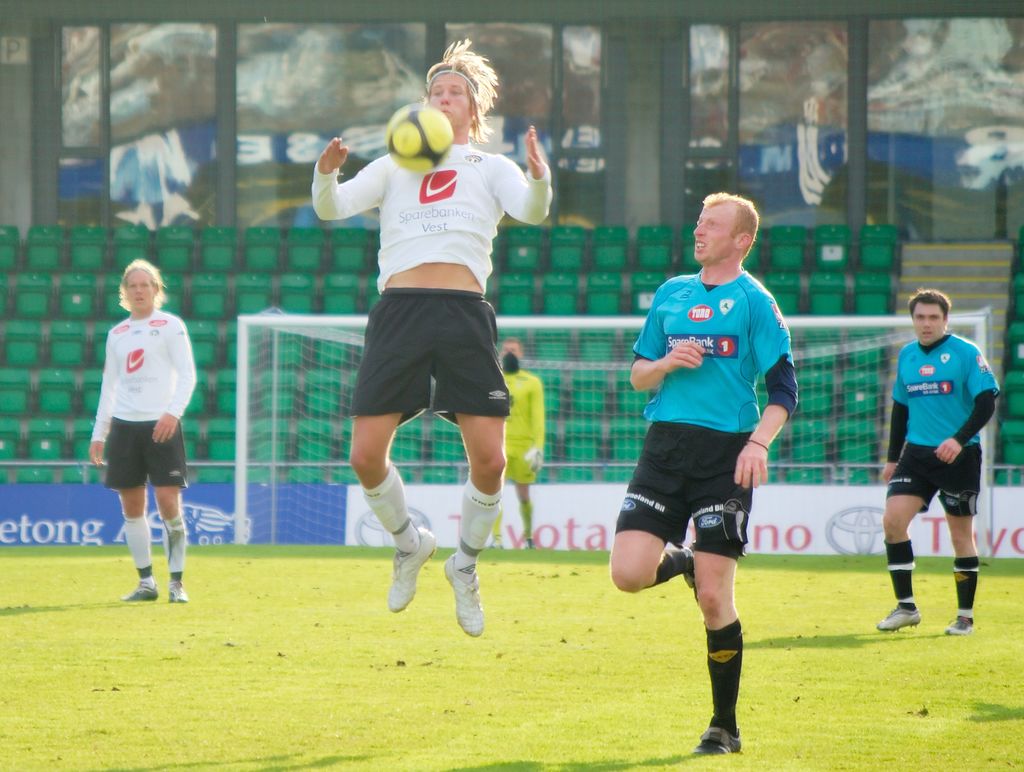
(847, 641)
(264, 763)
(12, 611)
(986, 711)
(582, 766)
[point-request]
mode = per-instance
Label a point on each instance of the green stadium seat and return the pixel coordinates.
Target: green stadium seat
(77, 295)
(315, 439)
(217, 247)
(809, 439)
(860, 393)
(227, 389)
(372, 294)
(816, 392)
(4, 293)
(878, 247)
(220, 439)
(35, 475)
(515, 294)
(174, 248)
(92, 381)
(45, 439)
(687, 260)
(280, 387)
(832, 247)
(1015, 345)
(10, 248)
(857, 440)
(32, 294)
(1013, 393)
(1012, 434)
(604, 293)
(654, 247)
(786, 246)
(582, 440)
(610, 247)
(322, 392)
(786, 289)
(827, 293)
(110, 298)
(297, 292)
(642, 286)
(10, 437)
(254, 292)
(69, 341)
(567, 249)
(589, 393)
(15, 391)
(1018, 296)
(205, 337)
(23, 343)
(231, 343)
(408, 442)
(210, 296)
(304, 251)
(44, 245)
(560, 292)
(524, 248)
(87, 248)
(753, 261)
(552, 345)
(445, 442)
(131, 242)
(56, 390)
(349, 250)
(81, 438)
(872, 293)
(262, 248)
(341, 293)
(551, 380)
(174, 293)
(600, 346)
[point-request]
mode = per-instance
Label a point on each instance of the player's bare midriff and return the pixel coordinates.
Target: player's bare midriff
(437, 276)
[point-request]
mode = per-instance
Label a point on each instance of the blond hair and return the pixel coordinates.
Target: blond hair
(482, 80)
(155, 278)
(747, 218)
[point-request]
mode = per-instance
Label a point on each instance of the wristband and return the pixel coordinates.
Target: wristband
(759, 443)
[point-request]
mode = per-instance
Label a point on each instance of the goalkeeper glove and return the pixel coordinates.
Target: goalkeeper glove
(535, 458)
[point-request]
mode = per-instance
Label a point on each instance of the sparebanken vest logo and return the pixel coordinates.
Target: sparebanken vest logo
(437, 186)
(135, 359)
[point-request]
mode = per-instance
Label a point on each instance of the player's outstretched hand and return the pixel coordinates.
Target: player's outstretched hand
(751, 466)
(535, 160)
(333, 157)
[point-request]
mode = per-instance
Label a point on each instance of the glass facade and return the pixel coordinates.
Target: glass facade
(580, 176)
(945, 113)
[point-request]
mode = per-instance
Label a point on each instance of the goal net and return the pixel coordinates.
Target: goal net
(296, 375)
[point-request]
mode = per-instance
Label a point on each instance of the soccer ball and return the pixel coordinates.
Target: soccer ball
(419, 137)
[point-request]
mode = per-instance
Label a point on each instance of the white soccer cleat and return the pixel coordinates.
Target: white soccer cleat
(176, 593)
(900, 617)
(406, 568)
(961, 626)
(142, 593)
(468, 609)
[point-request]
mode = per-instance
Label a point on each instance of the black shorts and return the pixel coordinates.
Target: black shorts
(686, 472)
(430, 350)
(921, 473)
(133, 456)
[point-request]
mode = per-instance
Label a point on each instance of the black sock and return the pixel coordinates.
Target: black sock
(145, 573)
(176, 576)
(965, 572)
(673, 563)
(901, 569)
(725, 661)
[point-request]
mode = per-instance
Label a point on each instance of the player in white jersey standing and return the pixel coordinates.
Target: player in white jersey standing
(148, 378)
(432, 331)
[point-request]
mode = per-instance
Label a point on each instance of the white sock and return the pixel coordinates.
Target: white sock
(175, 542)
(136, 534)
(387, 501)
(479, 511)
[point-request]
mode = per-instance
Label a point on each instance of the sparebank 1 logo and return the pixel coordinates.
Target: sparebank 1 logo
(370, 532)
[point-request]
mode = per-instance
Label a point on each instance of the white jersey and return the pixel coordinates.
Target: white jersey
(149, 371)
(449, 215)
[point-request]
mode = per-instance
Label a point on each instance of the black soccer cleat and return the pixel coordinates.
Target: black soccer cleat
(717, 741)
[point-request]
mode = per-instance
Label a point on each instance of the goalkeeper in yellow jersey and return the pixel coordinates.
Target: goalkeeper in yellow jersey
(524, 434)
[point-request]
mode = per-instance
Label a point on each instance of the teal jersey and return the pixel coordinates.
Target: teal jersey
(743, 336)
(938, 387)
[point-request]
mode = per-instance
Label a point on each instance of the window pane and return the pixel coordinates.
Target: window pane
(709, 86)
(162, 122)
(580, 185)
(946, 127)
(300, 85)
(792, 122)
(581, 87)
(79, 189)
(521, 55)
(80, 86)
(704, 177)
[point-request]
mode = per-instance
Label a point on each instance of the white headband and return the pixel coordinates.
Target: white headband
(451, 71)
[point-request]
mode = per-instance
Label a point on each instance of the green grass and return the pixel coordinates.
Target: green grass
(287, 658)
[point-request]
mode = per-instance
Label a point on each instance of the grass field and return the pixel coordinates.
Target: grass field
(287, 658)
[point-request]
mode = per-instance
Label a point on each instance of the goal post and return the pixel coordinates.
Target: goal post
(296, 374)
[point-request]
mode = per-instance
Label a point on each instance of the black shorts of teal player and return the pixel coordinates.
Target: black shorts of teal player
(133, 456)
(686, 472)
(430, 350)
(920, 473)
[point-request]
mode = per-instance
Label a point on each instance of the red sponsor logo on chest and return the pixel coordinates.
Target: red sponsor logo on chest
(135, 359)
(437, 186)
(121, 328)
(927, 370)
(158, 323)
(700, 313)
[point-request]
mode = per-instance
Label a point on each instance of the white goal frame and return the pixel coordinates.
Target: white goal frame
(978, 323)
